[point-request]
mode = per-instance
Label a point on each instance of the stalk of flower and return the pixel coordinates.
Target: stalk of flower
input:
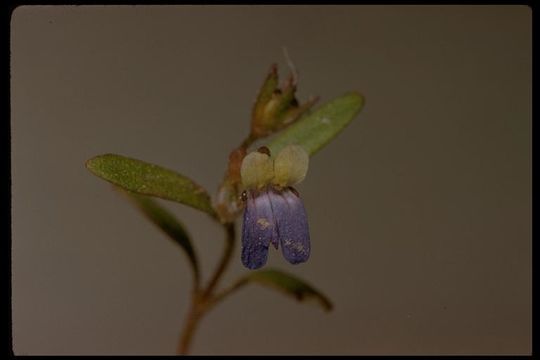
(274, 212)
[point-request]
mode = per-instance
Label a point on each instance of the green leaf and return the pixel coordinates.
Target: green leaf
(289, 284)
(167, 223)
(315, 130)
(149, 179)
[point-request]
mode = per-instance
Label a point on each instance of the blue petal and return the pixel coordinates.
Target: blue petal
(259, 229)
(292, 225)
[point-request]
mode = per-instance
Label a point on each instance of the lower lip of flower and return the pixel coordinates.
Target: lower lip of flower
(274, 216)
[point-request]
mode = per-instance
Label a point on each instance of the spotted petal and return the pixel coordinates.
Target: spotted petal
(258, 230)
(292, 225)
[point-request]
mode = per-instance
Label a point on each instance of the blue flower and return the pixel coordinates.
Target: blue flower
(274, 212)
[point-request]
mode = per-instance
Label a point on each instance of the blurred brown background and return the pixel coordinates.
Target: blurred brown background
(420, 212)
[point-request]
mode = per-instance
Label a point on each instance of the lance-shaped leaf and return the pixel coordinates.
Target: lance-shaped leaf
(149, 179)
(167, 222)
(315, 130)
(289, 284)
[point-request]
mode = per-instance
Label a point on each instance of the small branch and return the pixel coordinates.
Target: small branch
(200, 301)
(225, 260)
(190, 325)
(248, 141)
(226, 292)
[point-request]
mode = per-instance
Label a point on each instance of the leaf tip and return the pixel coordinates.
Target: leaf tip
(92, 164)
(359, 97)
(89, 163)
(327, 305)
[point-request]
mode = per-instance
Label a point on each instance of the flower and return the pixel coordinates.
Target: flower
(274, 212)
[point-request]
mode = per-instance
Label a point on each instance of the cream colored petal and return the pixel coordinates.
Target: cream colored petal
(290, 165)
(257, 170)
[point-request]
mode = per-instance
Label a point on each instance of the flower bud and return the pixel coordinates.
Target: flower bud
(276, 108)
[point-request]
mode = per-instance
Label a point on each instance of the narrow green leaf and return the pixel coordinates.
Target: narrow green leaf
(167, 222)
(149, 179)
(315, 130)
(289, 284)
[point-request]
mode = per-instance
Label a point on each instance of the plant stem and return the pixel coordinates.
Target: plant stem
(200, 300)
(226, 292)
(190, 325)
(203, 300)
(225, 260)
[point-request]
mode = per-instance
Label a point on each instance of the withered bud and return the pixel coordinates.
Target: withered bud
(276, 107)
